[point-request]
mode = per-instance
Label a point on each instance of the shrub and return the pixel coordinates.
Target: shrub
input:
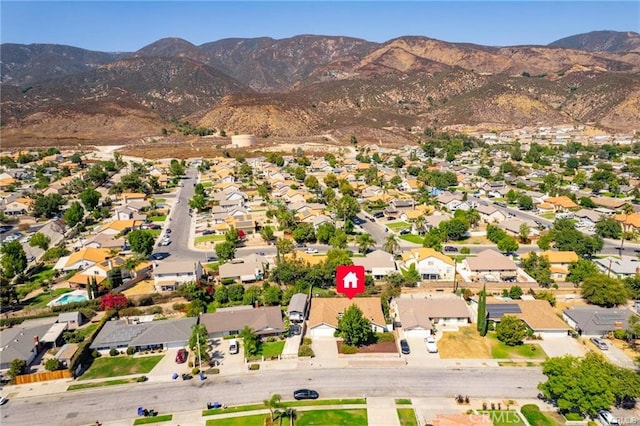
(190, 364)
(305, 350)
(153, 310)
(130, 350)
(179, 306)
(142, 379)
(114, 352)
(145, 301)
(306, 341)
(348, 349)
(620, 334)
(385, 337)
(213, 371)
(195, 370)
(96, 354)
(52, 364)
(130, 312)
(254, 367)
(573, 416)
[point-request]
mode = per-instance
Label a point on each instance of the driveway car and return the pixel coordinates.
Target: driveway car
(3, 400)
(5, 228)
(404, 347)
(432, 348)
(295, 330)
(311, 250)
(600, 344)
(450, 249)
(207, 232)
(165, 242)
(405, 232)
(378, 215)
(181, 356)
(305, 394)
(606, 418)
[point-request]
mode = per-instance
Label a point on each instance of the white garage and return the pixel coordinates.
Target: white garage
(322, 330)
(417, 332)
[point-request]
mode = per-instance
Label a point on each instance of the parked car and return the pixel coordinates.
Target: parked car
(450, 249)
(404, 347)
(295, 330)
(606, 418)
(405, 232)
(311, 250)
(378, 215)
(181, 356)
(3, 400)
(432, 348)
(165, 242)
(600, 344)
(305, 394)
(207, 232)
(168, 231)
(5, 228)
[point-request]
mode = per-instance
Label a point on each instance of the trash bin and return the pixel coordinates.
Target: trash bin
(174, 376)
(202, 376)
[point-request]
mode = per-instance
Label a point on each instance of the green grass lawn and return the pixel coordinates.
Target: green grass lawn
(121, 365)
(501, 351)
(535, 417)
(85, 331)
(207, 184)
(398, 226)
(269, 349)
(255, 420)
(548, 215)
(417, 239)
(46, 272)
(332, 418)
(208, 238)
(100, 384)
(403, 401)
(41, 300)
(306, 403)
(158, 218)
(504, 417)
(407, 417)
(156, 419)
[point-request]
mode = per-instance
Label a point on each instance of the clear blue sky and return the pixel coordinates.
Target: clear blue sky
(130, 25)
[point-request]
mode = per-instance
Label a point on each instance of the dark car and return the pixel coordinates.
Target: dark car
(305, 394)
(405, 232)
(378, 215)
(207, 232)
(404, 347)
(450, 249)
(295, 330)
(181, 356)
(168, 231)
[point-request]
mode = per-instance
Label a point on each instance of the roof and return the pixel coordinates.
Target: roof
(557, 256)
(247, 266)
(90, 254)
(440, 307)
(632, 219)
(596, 319)
(375, 259)
(609, 202)
(540, 316)
(119, 333)
(298, 303)
(626, 265)
(69, 316)
(175, 267)
(17, 342)
(263, 320)
(562, 201)
(490, 260)
(424, 252)
(326, 310)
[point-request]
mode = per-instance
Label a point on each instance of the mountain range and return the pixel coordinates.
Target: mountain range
(309, 84)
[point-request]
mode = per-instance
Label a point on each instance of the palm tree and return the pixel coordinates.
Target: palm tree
(365, 242)
(419, 224)
(391, 244)
(272, 403)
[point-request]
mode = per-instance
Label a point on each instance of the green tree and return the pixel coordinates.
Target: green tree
(271, 295)
(47, 205)
(391, 244)
(331, 180)
(365, 242)
(52, 364)
(40, 240)
(267, 233)
(141, 241)
(538, 268)
(17, 368)
(198, 202)
(354, 328)
(312, 183)
(339, 239)
(176, 168)
(284, 246)
(13, 260)
(482, 312)
(304, 232)
(347, 207)
(90, 198)
(221, 295)
(454, 229)
(8, 293)
(226, 250)
(580, 270)
(508, 245)
(608, 227)
(74, 214)
(524, 232)
(272, 403)
(236, 292)
(199, 335)
(515, 292)
(300, 174)
(604, 291)
(511, 330)
(525, 202)
(325, 232)
(250, 341)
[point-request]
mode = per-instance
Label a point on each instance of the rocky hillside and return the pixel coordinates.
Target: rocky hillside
(308, 85)
(602, 41)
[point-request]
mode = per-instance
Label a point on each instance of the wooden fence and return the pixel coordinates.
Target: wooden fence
(43, 376)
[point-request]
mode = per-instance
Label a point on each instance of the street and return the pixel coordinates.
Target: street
(121, 402)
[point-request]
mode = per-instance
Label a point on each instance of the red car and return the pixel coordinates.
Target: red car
(181, 356)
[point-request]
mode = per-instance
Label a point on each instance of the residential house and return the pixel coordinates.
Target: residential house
(620, 267)
(120, 226)
(130, 333)
(489, 265)
(490, 214)
(128, 213)
(72, 319)
(609, 202)
(587, 218)
(431, 264)
(297, 309)
(559, 262)
(100, 272)
(106, 241)
(538, 315)
(168, 275)
(418, 317)
(82, 259)
(561, 203)
(594, 321)
(27, 340)
(512, 227)
(378, 263)
(453, 201)
(245, 269)
(263, 321)
(325, 313)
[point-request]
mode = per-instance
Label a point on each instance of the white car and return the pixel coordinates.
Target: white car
(165, 242)
(311, 250)
(3, 400)
(432, 348)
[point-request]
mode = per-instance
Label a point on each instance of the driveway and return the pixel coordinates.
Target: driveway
(561, 346)
(167, 366)
(618, 357)
(419, 355)
(325, 350)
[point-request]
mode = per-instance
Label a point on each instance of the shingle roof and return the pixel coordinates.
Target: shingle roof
(264, 320)
(326, 310)
(490, 260)
(119, 333)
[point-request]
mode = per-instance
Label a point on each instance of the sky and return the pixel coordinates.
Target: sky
(125, 26)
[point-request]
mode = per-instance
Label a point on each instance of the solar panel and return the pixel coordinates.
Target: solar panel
(498, 310)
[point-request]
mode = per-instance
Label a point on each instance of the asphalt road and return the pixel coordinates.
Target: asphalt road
(121, 402)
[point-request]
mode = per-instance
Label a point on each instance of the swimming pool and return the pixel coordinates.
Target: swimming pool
(73, 297)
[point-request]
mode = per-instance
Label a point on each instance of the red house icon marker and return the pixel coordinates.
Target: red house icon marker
(350, 280)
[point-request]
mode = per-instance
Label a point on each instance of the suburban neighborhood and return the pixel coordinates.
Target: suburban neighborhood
(506, 252)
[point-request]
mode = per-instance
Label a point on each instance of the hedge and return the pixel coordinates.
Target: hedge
(84, 353)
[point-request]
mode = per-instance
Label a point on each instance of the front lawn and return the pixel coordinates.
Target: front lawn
(332, 417)
(304, 403)
(398, 226)
(156, 419)
(465, 343)
(534, 416)
(548, 215)
(407, 417)
(209, 238)
(157, 218)
(85, 331)
(527, 350)
(116, 382)
(417, 239)
(255, 420)
(271, 349)
(121, 365)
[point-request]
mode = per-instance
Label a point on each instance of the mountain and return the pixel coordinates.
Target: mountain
(601, 41)
(311, 85)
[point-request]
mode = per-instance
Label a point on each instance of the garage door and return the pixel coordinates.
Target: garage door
(322, 331)
(417, 333)
(553, 334)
